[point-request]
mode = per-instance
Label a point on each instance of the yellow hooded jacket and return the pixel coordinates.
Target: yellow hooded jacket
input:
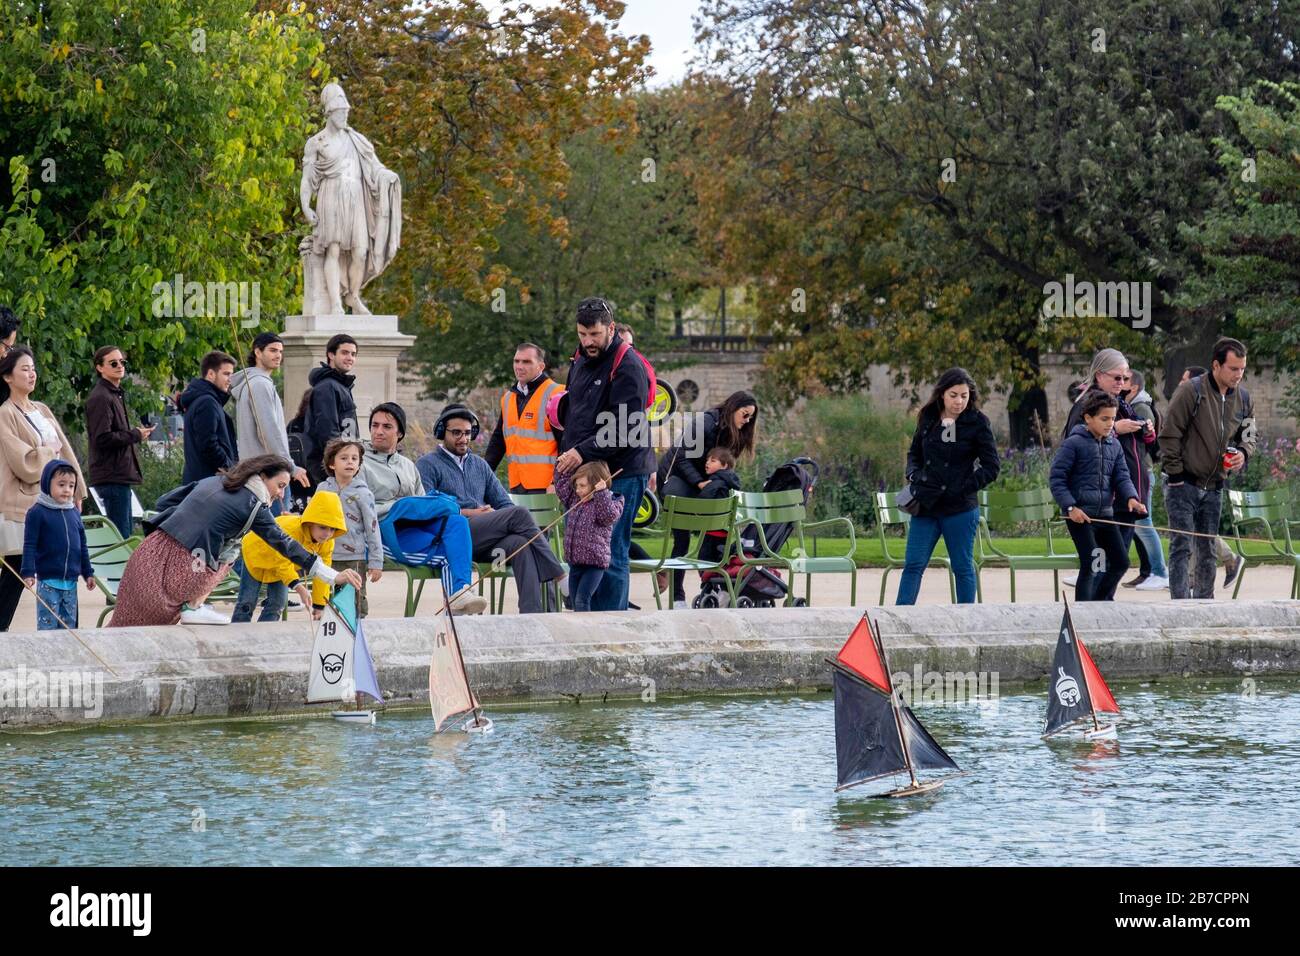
(267, 565)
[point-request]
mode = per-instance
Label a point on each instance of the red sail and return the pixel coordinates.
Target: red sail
(859, 655)
(1103, 702)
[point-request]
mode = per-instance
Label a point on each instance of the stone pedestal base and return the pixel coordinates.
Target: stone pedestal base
(379, 343)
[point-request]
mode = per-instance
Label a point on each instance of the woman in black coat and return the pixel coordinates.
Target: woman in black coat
(953, 455)
(731, 425)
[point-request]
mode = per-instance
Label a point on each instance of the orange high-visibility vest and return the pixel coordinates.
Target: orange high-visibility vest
(531, 449)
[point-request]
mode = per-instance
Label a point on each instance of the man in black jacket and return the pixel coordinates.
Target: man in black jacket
(606, 421)
(114, 467)
(333, 411)
(209, 441)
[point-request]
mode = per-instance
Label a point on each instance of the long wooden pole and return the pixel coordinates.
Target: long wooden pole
(70, 630)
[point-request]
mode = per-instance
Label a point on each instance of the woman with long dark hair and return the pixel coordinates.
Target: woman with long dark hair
(30, 438)
(953, 455)
(731, 425)
(197, 538)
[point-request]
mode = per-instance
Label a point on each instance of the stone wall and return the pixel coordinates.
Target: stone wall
(256, 669)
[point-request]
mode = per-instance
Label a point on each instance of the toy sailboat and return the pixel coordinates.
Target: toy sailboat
(449, 692)
(875, 734)
(1076, 689)
(341, 667)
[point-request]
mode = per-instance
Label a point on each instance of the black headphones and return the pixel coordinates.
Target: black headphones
(455, 411)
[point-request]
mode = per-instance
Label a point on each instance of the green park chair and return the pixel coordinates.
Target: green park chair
(1270, 511)
(696, 515)
(109, 552)
(1035, 511)
(890, 517)
(759, 508)
(545, 510)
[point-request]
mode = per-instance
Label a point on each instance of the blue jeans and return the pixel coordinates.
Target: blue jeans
(250, 589)
(611, 595)
(117, 506)
(923, 533)
(1150, 538)
(583, 581)
(62, 603)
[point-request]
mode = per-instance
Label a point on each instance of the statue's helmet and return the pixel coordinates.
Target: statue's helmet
(332, 98)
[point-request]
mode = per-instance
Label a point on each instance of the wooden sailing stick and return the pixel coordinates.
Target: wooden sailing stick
(1194, 534)
(70, 630)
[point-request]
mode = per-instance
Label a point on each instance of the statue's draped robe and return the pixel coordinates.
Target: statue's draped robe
(381, 199)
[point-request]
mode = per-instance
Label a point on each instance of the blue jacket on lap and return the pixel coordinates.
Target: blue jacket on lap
(1090, 474)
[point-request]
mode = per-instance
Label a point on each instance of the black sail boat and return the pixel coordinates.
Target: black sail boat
(1076, 691)
(875, 734)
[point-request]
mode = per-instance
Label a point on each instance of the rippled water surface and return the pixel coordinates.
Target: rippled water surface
(1203, 773)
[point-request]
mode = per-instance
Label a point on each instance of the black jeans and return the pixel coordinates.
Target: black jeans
(1103, 559)
(681, 539)
(11, 589)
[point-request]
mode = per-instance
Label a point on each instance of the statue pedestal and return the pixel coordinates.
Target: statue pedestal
(379, 343)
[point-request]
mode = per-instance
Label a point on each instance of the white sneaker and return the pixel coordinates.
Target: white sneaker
(1154, 583)
(1069, 579)
(564, 585)
(466, 601)
(205, 614)
(679, 606)
(294, 603)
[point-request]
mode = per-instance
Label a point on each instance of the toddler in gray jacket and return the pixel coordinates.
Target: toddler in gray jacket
(359, 549)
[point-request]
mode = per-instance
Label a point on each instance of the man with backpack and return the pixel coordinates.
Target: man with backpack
(608, 392)
(259, 413)
(1208, 433)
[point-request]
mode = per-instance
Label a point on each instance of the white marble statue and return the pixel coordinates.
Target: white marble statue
(358, 214)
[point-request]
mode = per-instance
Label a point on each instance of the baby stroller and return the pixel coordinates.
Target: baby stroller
(755, 586)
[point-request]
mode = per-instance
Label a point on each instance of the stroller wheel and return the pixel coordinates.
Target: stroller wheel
(766, 604)
(707, 600)
(744, 601)
(647, 512)
(698, 602)
(664, 404)
(799, 602)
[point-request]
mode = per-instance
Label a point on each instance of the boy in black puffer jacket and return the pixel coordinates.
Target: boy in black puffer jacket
(1089, 475)
(723, 480)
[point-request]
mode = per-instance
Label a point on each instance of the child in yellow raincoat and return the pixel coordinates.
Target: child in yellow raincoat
(315, 529)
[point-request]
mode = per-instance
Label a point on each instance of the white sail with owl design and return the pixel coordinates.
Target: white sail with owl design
(341, 668)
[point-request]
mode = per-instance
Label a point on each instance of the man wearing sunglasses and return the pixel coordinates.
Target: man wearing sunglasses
(498, 527)
(114, 467)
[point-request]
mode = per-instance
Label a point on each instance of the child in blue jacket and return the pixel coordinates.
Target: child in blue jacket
(54, 548)
(1088, 475)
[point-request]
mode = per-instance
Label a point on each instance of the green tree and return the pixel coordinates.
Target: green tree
(969, 153)
(141, 141)
(1250, 246)
(625, 231)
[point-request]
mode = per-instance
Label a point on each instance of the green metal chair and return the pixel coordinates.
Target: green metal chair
(1270, 510)
(545, 509)
(696, 515)
(759, 508)
(109, 552)
(889, 516)
(1036, 508)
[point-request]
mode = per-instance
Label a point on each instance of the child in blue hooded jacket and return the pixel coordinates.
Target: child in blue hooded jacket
(1088, 476)
(54, 548)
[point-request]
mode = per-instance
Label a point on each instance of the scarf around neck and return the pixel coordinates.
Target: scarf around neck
(258, 487)
(49, 502)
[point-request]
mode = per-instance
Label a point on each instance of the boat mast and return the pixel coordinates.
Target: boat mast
(451, 619)
(893, 700)
(1078, 659)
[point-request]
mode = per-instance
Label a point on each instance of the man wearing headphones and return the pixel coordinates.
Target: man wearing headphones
(497, 527)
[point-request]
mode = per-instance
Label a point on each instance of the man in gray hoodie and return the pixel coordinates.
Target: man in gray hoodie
(259, 413)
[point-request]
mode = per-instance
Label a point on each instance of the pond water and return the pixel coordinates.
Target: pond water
(1204, 773)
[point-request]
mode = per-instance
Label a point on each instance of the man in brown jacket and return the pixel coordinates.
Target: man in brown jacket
(1208, 415)
(114, 467)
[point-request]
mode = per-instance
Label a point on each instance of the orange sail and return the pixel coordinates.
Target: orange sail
(860, 655)
(449, 691)
(1103, 701)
